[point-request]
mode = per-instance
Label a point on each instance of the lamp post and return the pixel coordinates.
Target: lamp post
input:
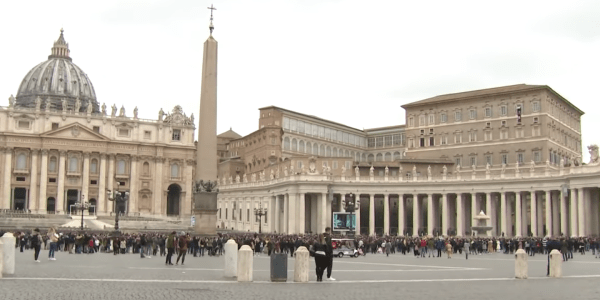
(82, 205)
(118, 197)
(351, 205)
(260, 212)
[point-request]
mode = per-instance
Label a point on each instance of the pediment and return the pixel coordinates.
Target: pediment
(75, 131)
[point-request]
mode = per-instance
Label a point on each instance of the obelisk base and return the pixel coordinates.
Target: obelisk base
(206, 213)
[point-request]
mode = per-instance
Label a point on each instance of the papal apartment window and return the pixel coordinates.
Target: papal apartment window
(123, 132)
(411, 122)
(536, 120)
(422, 142)
(443, 118)
(177, 134)
(430, 130)
(147, 134)
(488, 124)
(444, 140)
(431, 141)
(473, 161)
(431, 119)
(472, 114)
(504, 159)
(503, 123)
(422, 131)
(335, 165)
(96, 129)
(536, 106)
(458, 161)
(421, 120)
(488, 112)
(54, 126)
(371, 142)
(503, 110)
(537, 156)
(457, 116)
(520, 158)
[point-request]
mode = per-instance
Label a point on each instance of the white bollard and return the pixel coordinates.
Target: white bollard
(1, 257)
(555, 263)
(244, 266)
(8, 256)
(231, 258)
(301, 265)
(521, 267)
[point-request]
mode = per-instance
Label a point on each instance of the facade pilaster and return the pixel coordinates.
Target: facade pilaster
(503, 210)
(291, 217)
(445, 213)
(564, 226)
(386, 214)
(60, 194)
(6, 191)
(533, 210)
(556, 206)
(416, 214)
(401, 214)
(518, 214)
(85, 185)
(548, 213)
(101, 204)
(301, 213)
(488, 208)
(43, 181)
(372, 215)
(460, 215)
(581, 212)
(158, 188)
(573, 212)
(33, 187)
(474, 209)
(430, 220)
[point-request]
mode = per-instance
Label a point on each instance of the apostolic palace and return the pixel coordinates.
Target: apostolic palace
(511, 155)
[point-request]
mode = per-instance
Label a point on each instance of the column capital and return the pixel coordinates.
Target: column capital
(159, 159)
(62, 152)
(190, 162)
(45, 151)
(86, 154)
(34, 151)
(133, 157)
(103, 155)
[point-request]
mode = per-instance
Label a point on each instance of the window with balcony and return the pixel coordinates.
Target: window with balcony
(176, 135)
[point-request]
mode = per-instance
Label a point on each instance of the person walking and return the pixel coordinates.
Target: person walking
(53, 237)
(183, 247)
(329, 252)
(170, 244)
(449, 249)
(318, 250)
(466, 246)
(36, 244)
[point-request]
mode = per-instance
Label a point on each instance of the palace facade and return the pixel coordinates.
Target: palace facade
(512, 152)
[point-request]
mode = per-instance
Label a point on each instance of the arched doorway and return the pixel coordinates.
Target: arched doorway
(173, 198)
(50, 205)
(72, 197)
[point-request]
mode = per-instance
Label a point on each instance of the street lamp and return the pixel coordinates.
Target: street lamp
(260, 212)
(351, 205)
(118, 197)
(82, 205)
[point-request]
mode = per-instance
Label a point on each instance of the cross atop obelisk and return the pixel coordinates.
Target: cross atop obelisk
(211, 26)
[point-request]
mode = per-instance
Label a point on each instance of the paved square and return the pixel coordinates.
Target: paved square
(105, 276)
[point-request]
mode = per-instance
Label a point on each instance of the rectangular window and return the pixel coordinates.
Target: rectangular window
(177, 134)
(472, 136)
(504, 159)
(96, 129)
(52, 180)
(458, 161)
(123, 132)
(422, 142)
(299, 165)
(321, 132)
(397, 139)
(503, 110)
(335, 165)
(488, 135)
(488, 160)
(431, 141)
(248, 214)
(444, 140)
(411, 122)
(54, 126)
(371, 142)
(300, 127)
(421, 120)
(443, 118)
(93, 182)
(286, 123)
(379, 141)
(537, 156)
(536, 106)
(472, 114)
(23, 124)
(473, 161)
(388, 140)
(293, 124)
(327, 133)
(431, 119)
(147, 134)
(457, 116)
(488, 112)
(347, 165)
(520, 158)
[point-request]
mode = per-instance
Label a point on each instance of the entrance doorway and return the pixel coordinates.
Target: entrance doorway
(20, 199)
(50, 205)
(173, 199)
(92, 209)
(72, 197)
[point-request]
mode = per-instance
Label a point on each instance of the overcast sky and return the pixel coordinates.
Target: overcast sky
(352, 62)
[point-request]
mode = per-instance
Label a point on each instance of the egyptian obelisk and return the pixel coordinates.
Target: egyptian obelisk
(205, 191)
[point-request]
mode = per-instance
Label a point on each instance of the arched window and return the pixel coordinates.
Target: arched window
(174, 170)
(309, 148)
(94, 166)
(286, 143)
(315, 150)
(388, 157)
(396, 155)
(334, 153)
(328, 151)
(294, 145)
(379, 157)
(370, 158)
(322, 150)
(21, 162)
(52, 164)
(121, 167)
(301, 147)
(73, 161)
(146, 168)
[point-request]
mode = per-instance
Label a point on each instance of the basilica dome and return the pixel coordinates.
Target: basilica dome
(55, 80)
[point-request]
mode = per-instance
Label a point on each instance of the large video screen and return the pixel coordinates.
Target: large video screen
(343, 221)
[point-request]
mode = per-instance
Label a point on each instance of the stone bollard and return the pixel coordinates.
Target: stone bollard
(8, 256)
(301, 265)
(231, 258)
(555, 263)
(244, 264)
(521, 264)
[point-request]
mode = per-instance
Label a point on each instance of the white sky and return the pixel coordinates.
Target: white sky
(352, 62)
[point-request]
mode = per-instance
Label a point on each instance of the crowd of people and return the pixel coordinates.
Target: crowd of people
(321, 246)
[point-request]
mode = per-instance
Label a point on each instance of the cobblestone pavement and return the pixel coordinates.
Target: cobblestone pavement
(104, 276)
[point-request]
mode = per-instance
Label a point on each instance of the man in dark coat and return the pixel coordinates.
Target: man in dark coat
(329, 252)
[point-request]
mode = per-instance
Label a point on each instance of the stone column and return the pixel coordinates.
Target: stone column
(158, 188)
(85, 185)
(503, 209)
(323, 212)
(60, 194)
(445, 214)
(101, 204)
(302, 213)
(549, 213)
(133, 190)
(275, 218)
(555, 197)
(43, 181)
(372, 215)
(7, 178)
(33, 187)
(533, 210)
(488, 208)
(110, 182)
(573, 213)
(357, 213)
(564, 226)
(416, 214)
(581, 212)
(386, 214)
(430, 221)
(401, 214)
(518, 214)
(460, 215)
(189, 184)
(291, 217)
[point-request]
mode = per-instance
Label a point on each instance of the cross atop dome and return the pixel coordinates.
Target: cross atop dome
(211, 26)
(60, 48)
